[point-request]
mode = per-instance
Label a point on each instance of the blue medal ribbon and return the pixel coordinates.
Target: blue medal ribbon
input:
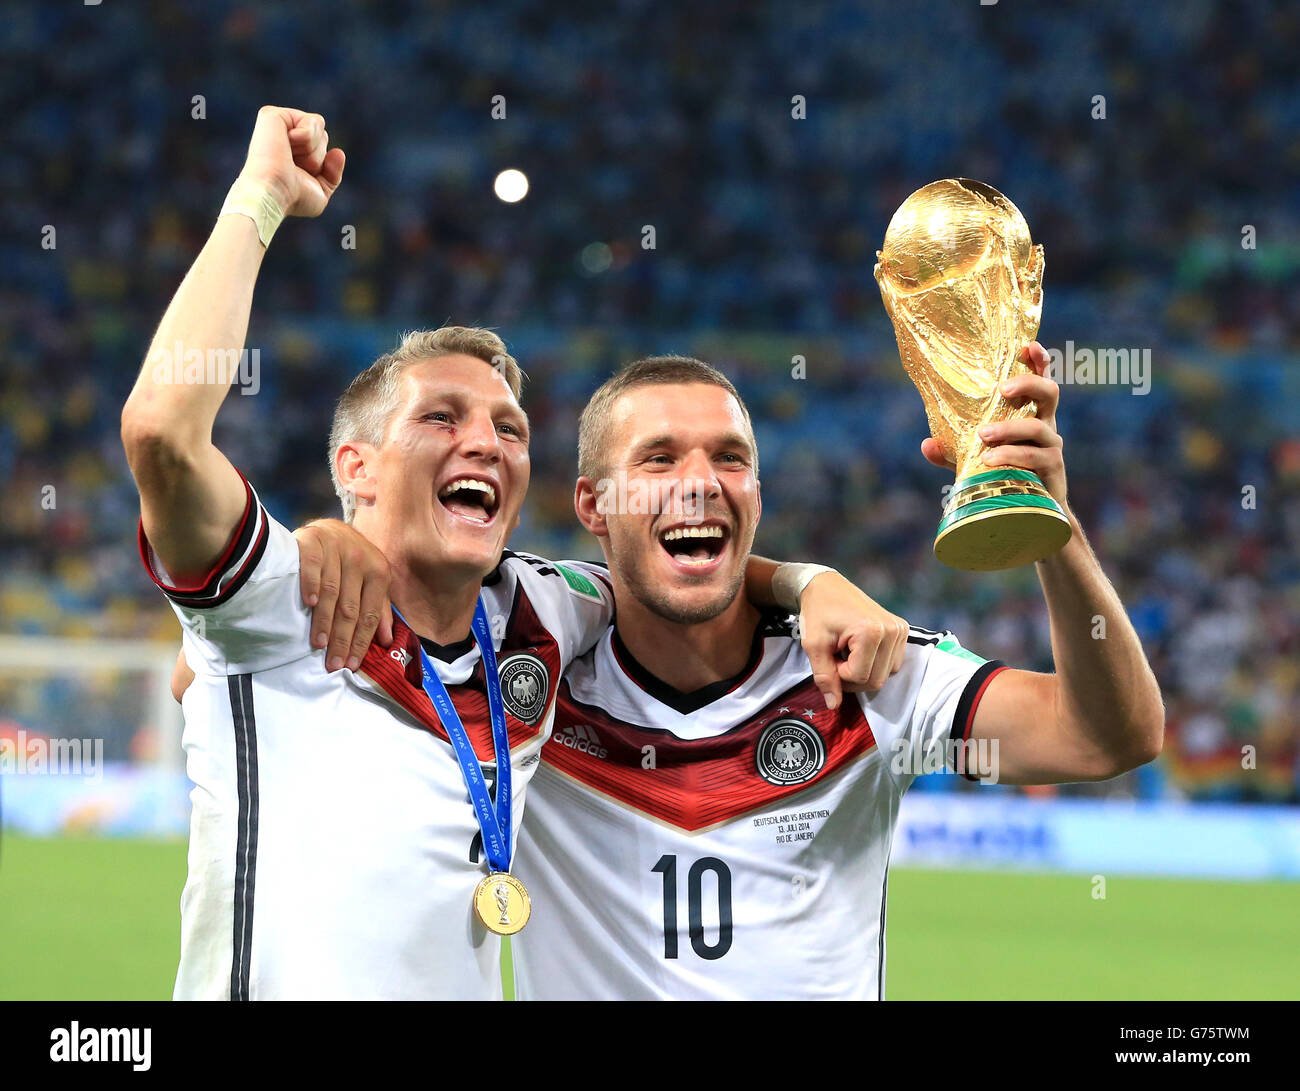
(493, 820)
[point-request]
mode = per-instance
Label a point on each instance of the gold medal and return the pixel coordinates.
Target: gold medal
(502, 903)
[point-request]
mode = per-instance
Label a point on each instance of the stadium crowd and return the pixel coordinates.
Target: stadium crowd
(764, 231)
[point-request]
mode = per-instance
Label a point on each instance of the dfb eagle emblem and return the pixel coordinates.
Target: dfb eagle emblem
(789, 751)
(525, 686)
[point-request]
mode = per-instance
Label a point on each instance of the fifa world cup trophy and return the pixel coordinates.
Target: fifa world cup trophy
(502, 894)
(963, 285)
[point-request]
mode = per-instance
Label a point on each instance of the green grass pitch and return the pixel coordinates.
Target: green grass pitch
(91, 919)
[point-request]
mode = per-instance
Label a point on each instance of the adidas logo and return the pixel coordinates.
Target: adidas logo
(581, 738)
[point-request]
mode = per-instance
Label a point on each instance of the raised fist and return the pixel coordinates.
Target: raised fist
(290, 155)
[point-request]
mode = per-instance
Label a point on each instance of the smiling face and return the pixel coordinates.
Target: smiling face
(442, 492)
(677, 510)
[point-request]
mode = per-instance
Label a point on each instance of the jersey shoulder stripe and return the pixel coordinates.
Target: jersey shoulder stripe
(244, 721)
(916, 635)
(576, 576)
(544, 566)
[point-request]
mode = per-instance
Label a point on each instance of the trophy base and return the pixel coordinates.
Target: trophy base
(1000, 519)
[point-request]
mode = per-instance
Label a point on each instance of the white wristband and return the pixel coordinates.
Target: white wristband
(247, 198)
(789, 581)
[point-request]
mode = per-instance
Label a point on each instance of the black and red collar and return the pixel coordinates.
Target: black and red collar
(770, 623)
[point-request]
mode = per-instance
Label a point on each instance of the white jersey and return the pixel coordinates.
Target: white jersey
(333, 849)
(732, 843)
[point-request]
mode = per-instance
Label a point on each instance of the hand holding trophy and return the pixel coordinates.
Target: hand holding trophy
(963, 285)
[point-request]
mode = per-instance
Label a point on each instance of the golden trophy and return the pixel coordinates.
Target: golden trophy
(963, 285)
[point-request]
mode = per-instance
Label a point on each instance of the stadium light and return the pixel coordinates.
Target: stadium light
(511, 185)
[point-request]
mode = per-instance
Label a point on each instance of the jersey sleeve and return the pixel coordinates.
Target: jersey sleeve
(921, 724)
(247, 614)
(591, 603)
(577, 597)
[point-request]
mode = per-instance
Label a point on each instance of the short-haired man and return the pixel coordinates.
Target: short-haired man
(702, 827)
(333, 849)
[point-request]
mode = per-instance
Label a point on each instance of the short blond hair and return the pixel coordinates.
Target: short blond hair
(367, 406)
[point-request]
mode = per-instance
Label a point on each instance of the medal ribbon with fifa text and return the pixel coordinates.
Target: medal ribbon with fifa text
(492, 899)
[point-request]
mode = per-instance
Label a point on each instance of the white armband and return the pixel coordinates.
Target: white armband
(789, 581)
(247, 198)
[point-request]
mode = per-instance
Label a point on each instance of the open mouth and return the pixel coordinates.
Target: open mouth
(695, 546)
(470, 498)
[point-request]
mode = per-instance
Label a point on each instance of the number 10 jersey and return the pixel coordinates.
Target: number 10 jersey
(731, 843)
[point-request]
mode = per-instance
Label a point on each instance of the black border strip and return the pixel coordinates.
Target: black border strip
(964, 717)
(240, 577)
(880, 957)
(235, 565)
(686, 703)
(245, 724)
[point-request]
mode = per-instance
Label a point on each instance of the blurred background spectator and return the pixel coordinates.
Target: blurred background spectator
(625, 115)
